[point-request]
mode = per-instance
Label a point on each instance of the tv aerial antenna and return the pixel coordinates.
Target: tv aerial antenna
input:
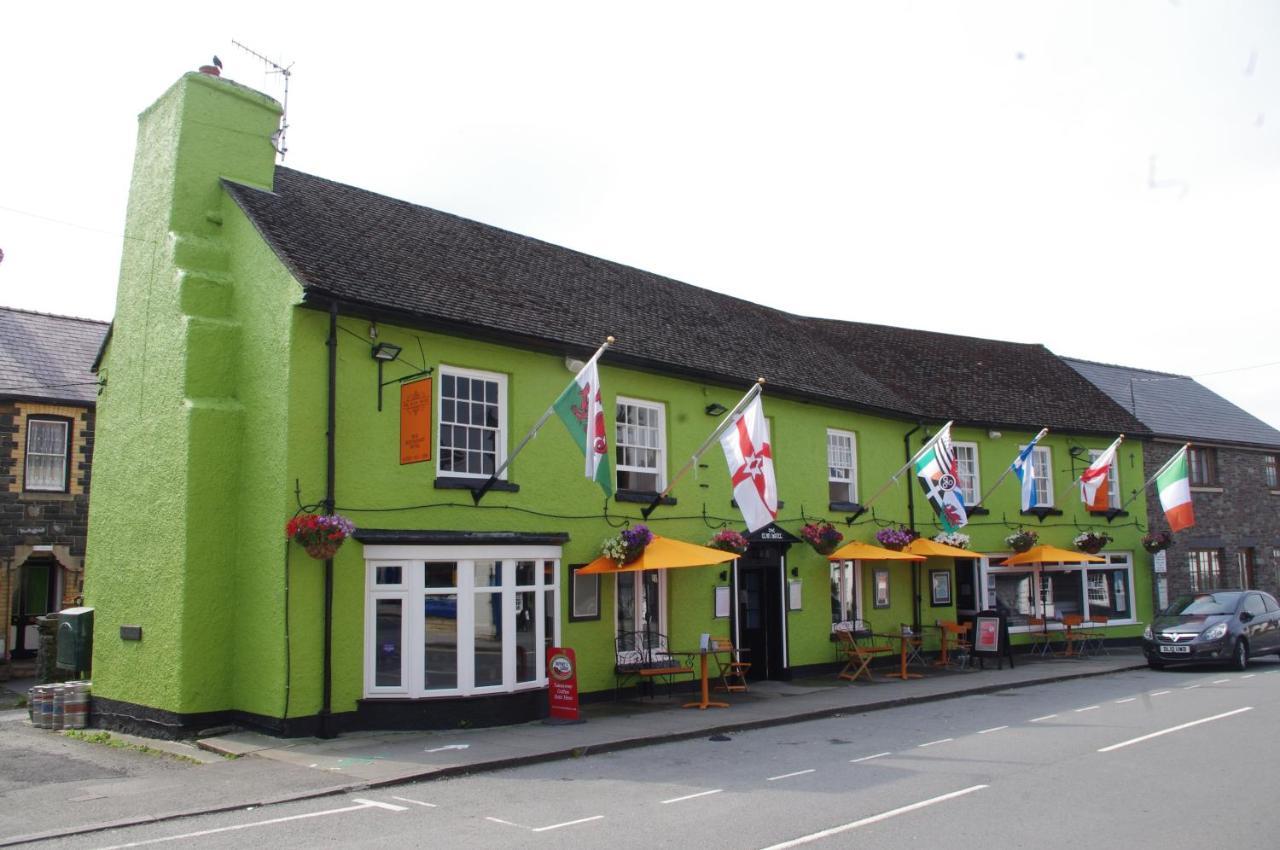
(273, 67)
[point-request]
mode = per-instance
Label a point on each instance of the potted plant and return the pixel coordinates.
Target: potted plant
(627, 545)
(895, 538)
(1021, 540)
(1156, 541)
(319, 534)
(822, 536)
(729, 540)
(1091, 542)
(958, 539)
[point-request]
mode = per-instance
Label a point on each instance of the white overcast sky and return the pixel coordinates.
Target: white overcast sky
(1100, 178)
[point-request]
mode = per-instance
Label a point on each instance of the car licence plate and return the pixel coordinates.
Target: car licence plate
(1176, 649)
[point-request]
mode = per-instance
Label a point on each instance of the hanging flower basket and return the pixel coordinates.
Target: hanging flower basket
(1092, 542)
(628, 545)
(896, 539)
(1021, 540)
(321, 535)
(822, 536)
(1156, 541)
(729, 540)
(958, 539)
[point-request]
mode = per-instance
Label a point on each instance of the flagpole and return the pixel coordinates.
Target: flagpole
(1116, 444)
(715, 435)
(1159, 472)
(478, 493)
(893, 479)
(1009, 468)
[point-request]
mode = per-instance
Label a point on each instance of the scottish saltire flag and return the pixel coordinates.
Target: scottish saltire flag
(581, 410)
(1024, 467)
(746, 446)
(937, 472)
(1095, 482)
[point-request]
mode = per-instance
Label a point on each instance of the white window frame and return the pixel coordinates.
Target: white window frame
(34, 423)
(1042, 461)
(1113, 477)
(500, 438)
(1115, 561)
(658, 409)
(975, 480)
(637, 577)
(412, 593)
(852, 480)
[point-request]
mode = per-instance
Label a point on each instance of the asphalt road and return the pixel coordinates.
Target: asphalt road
(1176, 758)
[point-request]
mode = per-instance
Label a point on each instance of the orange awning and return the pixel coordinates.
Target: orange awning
(859, 551)
(1050, 554)
(934, 549)
(663, 553)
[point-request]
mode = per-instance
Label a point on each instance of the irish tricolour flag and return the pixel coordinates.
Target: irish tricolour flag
(1175, 492)
(581, 410)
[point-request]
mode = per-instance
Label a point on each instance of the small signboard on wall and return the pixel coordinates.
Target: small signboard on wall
(415, 421)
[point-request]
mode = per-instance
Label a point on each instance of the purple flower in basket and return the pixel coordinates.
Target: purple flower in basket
(895, 538)
(637, 536)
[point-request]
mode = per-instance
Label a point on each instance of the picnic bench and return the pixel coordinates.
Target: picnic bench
(643, 658)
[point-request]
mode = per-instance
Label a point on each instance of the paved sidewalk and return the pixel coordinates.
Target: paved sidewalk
(271, 770)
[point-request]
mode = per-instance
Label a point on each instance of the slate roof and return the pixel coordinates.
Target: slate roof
(48, 358)
(1177, 406)
(437, 270)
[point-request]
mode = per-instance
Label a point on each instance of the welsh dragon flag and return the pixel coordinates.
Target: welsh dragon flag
(1175, 492)
(937, 472)
(582, 412)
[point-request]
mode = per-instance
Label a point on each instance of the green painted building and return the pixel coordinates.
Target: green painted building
(283, 343)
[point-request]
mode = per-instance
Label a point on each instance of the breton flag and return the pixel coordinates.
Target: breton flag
(581, 410)
(1024, 467)
(749, 454)
(1175, 492)
(1095, 482)
(937, 471)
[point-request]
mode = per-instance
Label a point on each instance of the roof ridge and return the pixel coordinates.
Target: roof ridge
(54, 315)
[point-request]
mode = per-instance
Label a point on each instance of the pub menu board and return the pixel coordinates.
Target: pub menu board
(987, 636)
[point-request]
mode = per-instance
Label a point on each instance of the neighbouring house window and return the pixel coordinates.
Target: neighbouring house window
(641, 445)
(1113, 477)
(1063, 588)
(639, 603)
(454, 622)
(1205, 566)
(1042, 460)
(842, 466)
(846, 596)
(1202, 467)
(46, 455)
(1271, 472)
(472, 422)
(967, 471)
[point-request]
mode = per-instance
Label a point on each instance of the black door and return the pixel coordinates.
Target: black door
(760, 623)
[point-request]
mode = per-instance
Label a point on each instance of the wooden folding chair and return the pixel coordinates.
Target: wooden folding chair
(858, 656)
(732, 669)
(1041, 638)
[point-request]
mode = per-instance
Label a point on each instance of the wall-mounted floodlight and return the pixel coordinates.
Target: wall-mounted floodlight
(385, 351)
(716, 409)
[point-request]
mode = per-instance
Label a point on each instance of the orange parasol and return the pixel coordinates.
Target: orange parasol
(663, 553)
(859, 551)
(1050, 555)
(934, 549)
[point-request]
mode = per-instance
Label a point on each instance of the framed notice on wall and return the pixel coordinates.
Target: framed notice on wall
(415, 421)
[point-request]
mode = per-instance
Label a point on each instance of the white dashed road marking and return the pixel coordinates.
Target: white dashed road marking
(1174, 729)
(992, 729)
(869, 758)
(789, 775)
(817, 836)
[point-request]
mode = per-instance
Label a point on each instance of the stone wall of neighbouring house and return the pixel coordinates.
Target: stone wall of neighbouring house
(1239, 513)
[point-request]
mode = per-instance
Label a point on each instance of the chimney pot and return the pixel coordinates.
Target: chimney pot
(211, 70)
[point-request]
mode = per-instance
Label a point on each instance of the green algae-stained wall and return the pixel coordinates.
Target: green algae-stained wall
(215, 411)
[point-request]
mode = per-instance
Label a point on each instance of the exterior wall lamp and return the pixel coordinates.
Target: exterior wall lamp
(385, 352)
(716, 409)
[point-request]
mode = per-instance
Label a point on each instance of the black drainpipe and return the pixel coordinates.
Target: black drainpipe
(911, 523)
(327, 729)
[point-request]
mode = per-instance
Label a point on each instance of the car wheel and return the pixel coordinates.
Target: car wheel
(1154, 664)
(1240, 657)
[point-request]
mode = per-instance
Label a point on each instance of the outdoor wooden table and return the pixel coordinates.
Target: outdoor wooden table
(902, 654)
(706, 701)
(946, 629)
(1070, 623)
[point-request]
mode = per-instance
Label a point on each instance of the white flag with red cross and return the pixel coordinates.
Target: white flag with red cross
(750, 457)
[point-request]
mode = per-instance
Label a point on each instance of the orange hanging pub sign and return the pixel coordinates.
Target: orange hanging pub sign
(415, 421)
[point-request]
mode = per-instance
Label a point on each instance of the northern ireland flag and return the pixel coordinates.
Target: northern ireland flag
(1095, 482)
(581, 410)
(1175, 492)
(746, 446)
(938, 473)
